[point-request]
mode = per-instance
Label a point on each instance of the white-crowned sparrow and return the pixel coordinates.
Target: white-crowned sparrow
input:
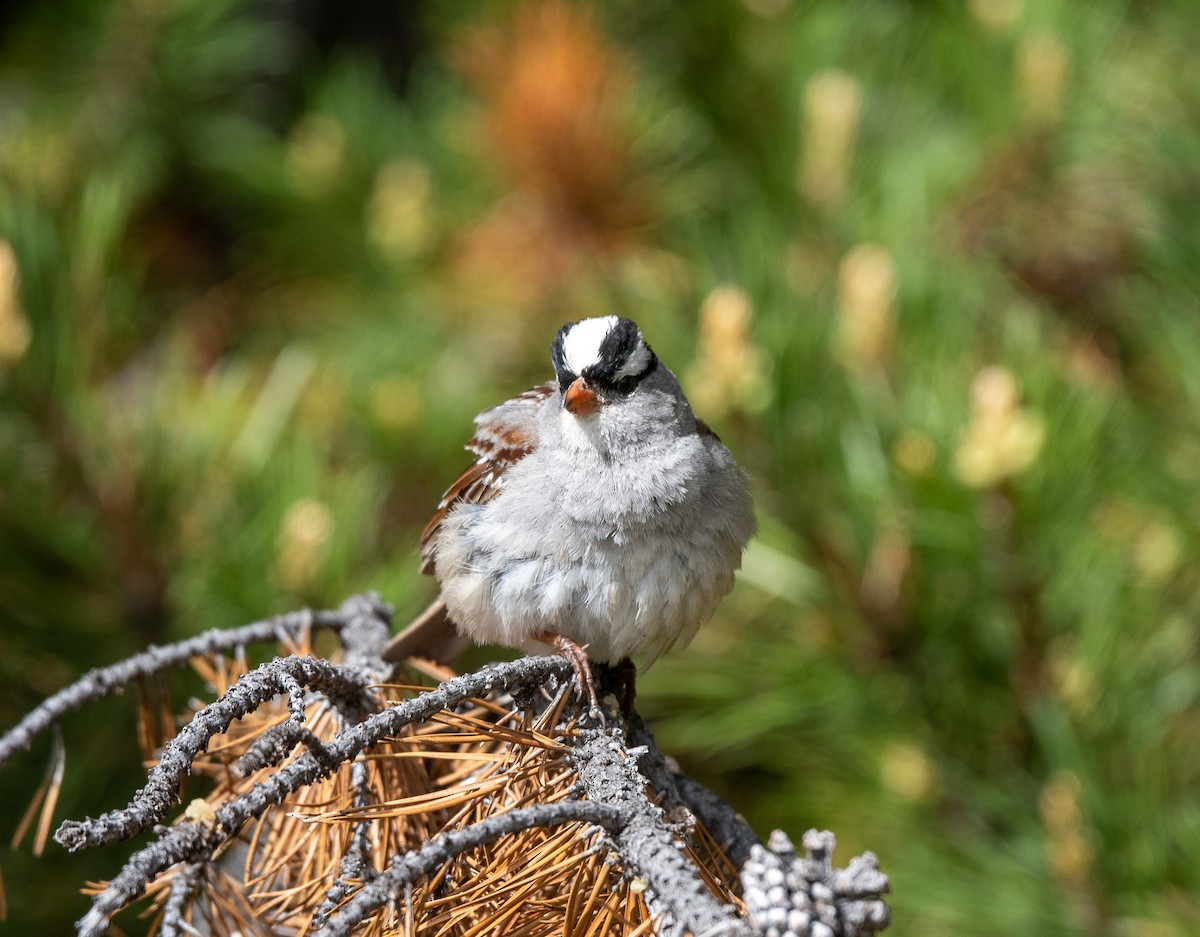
(599, 510)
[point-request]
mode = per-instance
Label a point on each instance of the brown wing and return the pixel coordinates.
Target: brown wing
(503, 435)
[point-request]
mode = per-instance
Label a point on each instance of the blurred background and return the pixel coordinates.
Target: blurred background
(930, 267)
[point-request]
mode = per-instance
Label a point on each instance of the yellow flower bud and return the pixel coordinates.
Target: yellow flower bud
(304, 534)
(1043, 62)
(398, 214)
(1001, 439)
(866, 292)
(832, 105)
(316, 151)
(15, 334)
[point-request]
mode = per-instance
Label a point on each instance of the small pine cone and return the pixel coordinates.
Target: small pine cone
(787, 895)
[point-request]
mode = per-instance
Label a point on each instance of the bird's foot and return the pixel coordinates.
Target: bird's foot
(579, 663)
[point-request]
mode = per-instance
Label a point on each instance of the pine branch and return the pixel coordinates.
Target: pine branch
(622, 785)
(366, 631)
(275, 744)
(160, 793)
(183, 890)
(732, 833)
(193, 842)
(675, 789)
(653, 764)
(353, 865)
(645, 843)
(102, 681)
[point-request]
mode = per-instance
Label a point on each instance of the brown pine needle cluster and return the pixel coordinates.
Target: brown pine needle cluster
(458, 768)
(554, 120)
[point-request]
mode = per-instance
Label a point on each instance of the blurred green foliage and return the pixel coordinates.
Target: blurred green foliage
(931, 269)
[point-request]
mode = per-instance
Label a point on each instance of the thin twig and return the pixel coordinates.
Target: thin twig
(183, 890)
(353, 865)
(652, 763)
(103, 681)
(366, 631)
(275, 744)
(152, 803)
(730, 830)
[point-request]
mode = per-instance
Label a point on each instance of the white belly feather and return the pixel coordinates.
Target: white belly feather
(628, 572)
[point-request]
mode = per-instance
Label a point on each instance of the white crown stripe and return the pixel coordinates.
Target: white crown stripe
(581, 344)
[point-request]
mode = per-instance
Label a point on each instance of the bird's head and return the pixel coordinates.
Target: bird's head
(599, 362)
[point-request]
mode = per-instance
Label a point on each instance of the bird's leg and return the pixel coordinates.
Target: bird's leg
(579, 662)
(624, 674)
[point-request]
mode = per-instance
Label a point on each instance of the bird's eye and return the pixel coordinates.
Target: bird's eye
(626, 385)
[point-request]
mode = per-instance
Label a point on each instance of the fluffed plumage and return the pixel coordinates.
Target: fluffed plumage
(599, 508)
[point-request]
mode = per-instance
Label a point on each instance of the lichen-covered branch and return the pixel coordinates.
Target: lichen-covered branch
(645, 843)
(183, 889)
(275, 744)
(652, 763)
(732, 833)
(103, 681)
(353, 865)
(366, 631)
(152, 803)
(191, 842)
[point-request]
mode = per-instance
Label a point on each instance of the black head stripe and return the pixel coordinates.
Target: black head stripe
(618, 345)
(559, 359)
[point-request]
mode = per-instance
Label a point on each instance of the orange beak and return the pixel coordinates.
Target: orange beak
(580, 399)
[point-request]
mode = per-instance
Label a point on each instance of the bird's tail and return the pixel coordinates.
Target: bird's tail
(431, 635)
